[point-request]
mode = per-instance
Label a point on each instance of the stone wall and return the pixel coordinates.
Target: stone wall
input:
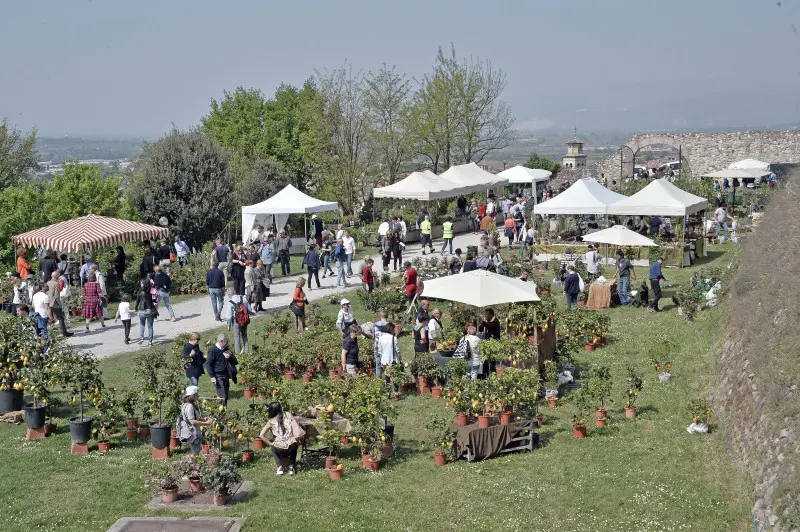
(705, 152)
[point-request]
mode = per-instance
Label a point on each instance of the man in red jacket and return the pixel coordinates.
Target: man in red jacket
(367, 276)
(410, 281)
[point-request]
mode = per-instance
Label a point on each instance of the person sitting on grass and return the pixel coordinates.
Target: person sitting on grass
(286, 435)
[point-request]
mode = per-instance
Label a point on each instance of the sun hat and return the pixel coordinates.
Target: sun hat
(190, 391)
(313, 216)
(344, 301)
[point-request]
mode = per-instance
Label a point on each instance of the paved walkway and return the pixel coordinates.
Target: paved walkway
(195, 315)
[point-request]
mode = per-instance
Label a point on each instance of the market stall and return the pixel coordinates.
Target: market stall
(526, 176)
(662, 198)
(585, 196)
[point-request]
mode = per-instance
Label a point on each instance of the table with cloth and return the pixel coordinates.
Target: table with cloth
(479, 444)
(600, 294)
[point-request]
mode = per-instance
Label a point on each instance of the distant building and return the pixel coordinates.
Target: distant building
(574, 157)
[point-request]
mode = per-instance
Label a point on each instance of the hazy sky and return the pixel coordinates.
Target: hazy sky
(134, 67)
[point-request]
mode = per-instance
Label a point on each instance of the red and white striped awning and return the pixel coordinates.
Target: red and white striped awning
(88, 232)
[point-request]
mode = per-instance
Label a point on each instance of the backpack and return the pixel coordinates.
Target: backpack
(64, 291)
(463, 349)
(241, 315)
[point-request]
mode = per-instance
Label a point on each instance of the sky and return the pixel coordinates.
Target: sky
(122, 68)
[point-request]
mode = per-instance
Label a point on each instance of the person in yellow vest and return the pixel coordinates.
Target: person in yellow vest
(447, 235)
(425, 234)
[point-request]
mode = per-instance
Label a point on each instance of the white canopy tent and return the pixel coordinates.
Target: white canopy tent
(618, 235)
(759, 167)
(278, 208)
(424, 186)
(734, 173)
(521, 174)
(659, 198)
(472, 178)
(585, 196)
(480, 288)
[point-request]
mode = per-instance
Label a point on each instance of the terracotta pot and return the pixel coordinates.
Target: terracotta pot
(169, 496)
(289, 375)
(484, 421)
(330, 461)
(364, 458)
(396, 396)
(371, 372)
(601, 412)
(332, 373)
(206, 447)
(423, 384)
(104, 446)
(599, 422)
(579, 431)
(387, 450)
(247, 455)
(506, 417)
(307, 377)
(440, 458)
(630, 412)
(196, 485)
(174, 443)
(373, 464)
(539, 420)
(589, 347)
(258, 444)
(248, 393)
(581, 303)
(221, 499)
(425, 391)
(436, 391)
(552, 402)
(133, 423)
(336, 474)
(462, 419)
(144, 433)
(130, 434)
(498, 369)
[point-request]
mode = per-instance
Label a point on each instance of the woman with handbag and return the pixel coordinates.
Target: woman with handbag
(286, 435)
(298, 305)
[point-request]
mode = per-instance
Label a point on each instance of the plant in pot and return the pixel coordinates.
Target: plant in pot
(635, 384)
(551, 383)
(169, 489)
(440, 435)
(19, 347)
(493, 350)
(128, 405)
(36, 376)
(80, 373)
(457, 369)
(330, 440)
(424, 366)
(220, 475)
(398, 377)
(189, 467)
(437, 375)
(599, 385)
(160, 378)
(700, 413)
(249, 426)
(582, 402)
(108, 418)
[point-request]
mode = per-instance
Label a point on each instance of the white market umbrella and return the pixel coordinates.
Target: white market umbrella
(618, 235)
(480, 288)
(751, 164)
(733, 173)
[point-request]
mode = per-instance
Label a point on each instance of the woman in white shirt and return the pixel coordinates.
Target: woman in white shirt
(386, 351)
(435, 328)
(345, 318)
(124, 314)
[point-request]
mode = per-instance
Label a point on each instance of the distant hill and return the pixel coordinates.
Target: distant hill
(59, 149)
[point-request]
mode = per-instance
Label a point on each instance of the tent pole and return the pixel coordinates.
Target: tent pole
(305, 228)
(683, 238)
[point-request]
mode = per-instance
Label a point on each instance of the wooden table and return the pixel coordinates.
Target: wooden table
(479, 444)
(600, 295)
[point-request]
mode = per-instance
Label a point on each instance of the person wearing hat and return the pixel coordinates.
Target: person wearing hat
(190, 420)
(345, 318)
(592, 262)
(318, 227)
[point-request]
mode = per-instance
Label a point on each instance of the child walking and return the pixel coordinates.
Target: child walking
(124, 313)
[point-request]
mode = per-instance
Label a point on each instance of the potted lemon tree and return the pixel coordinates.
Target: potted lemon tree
(79, 372)
(441, 434)
(160, 376)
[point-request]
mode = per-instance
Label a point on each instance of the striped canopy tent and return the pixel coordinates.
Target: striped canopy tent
(87, 233)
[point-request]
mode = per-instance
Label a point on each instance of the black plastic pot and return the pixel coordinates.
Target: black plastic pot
(10, 401)
(160, 434)
(34, 416)
(80, 431)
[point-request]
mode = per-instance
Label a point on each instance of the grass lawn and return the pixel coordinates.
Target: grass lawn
(640, 474)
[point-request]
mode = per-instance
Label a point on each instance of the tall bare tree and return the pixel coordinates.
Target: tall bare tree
(346, 123)
(387, 97)
(18, 155)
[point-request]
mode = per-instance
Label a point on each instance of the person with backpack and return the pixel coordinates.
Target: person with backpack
(146, 310)
(190, 420)
(311, 262)
(397, 249)
(238, 319)
(468, 348)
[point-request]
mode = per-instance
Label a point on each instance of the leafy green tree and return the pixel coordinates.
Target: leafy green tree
(79, 190)
(541, 162)
(18, 155)
(184, 177)
(19, 205)
(263, 180)
(239, 122)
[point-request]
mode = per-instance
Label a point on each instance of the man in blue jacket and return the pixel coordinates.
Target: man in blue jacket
(572, 287)
(655, 282)
(215, 281)
(268, 254)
